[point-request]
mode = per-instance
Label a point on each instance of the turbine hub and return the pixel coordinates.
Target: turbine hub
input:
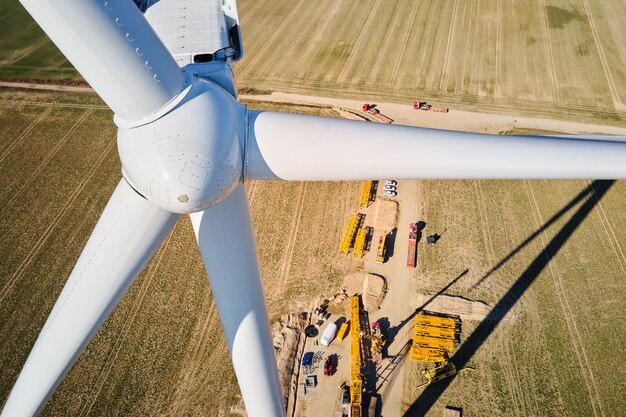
(191, 157)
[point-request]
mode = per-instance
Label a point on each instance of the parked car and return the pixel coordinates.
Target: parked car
(391, 182)
(390, 193)
(389, 187)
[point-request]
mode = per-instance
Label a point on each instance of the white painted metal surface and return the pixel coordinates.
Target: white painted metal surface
(190, 158)
(128, 233)
(297, 147)
(189, 27)
(228, 249)
(329, 334)
(115, 49)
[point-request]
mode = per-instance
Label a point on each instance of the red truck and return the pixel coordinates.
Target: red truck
(410, 260)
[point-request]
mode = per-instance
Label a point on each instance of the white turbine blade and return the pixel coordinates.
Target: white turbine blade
(128, 233)
(115, 49)
(296, 147)
(228, 248)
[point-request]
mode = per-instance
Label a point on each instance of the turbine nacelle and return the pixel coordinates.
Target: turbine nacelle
(188, 156)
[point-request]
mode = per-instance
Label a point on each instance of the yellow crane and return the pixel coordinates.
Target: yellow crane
(359, 243)
(356, 383)
(366, 192)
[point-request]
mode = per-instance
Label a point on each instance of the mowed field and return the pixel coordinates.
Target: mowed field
(543, 57)
(162, 351)
(550, 255)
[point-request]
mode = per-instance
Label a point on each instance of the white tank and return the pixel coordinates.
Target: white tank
(329, 334)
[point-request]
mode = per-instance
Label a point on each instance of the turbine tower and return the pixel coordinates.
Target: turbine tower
(187, 146)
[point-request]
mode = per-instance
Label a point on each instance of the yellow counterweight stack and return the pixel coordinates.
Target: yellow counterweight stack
(359, 243)
(350, 233)
(356, 384)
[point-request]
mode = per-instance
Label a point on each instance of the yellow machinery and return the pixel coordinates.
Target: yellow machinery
(437, 374)
(380, 256)
(359, 243)
(366, 192)
(434, 338)
(356, 384)
(350, 233)
(343, 331)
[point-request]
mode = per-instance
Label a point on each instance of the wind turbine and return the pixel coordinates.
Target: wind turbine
(186, 147)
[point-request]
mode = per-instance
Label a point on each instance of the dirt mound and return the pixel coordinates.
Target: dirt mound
(288, 337)
(449, 304)
(371, 287)
(386, 214)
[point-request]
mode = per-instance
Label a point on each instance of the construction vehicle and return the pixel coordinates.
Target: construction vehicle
(378, 342)
(410, 260)
(356, 383)
(343, 331)
(434, 338)
(380, 254)
(376, 114)
(366, 193)
(437, 374)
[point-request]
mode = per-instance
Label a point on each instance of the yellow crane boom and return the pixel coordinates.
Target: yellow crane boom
(356, 383)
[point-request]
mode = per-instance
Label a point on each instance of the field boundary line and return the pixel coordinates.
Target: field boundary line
(548, 50)
(53, 224)
(606, 224)
(568, 315)
(617, 102)
(47, 159)
(25, 132)
(291, 239)
(396, 68)
(443, 82)
(268, 43)
(318, 35)
(121, 336)
(353, 54)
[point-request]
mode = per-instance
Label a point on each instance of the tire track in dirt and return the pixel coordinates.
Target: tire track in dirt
(25, 132)
(291, 240)
(610, 232)
(365, 29)
(259, 5)
(316, 38)
(269, 43)
(617, 102)
(545, 27)
(568, 314)
(407, 34)
(123, 333)
(443, 82)
(17, 194)
(54, 223)
(497, 90)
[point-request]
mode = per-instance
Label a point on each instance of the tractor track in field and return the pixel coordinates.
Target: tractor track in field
(497, 90)
(259, 5)
(25, 132)
(484, 222)
(123, 333)
(193, 355)
(252, 191)
(27, 51)
(291, 240)
(17, 194)
(54, 223)
(443, 82)
(617, 102)
(511, 378)
(373, 73)
(407, 33)
(545, 26)
(610, 232)
(269, 43)
(354, 53)
(568, 314)
(316, 38)
(53, 105)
